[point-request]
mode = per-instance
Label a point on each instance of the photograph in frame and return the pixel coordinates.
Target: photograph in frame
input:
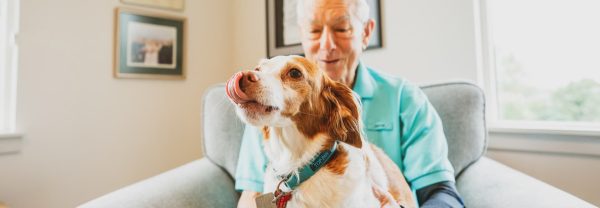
(149, 45)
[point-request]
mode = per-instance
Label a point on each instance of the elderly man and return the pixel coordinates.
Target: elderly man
(397, 115)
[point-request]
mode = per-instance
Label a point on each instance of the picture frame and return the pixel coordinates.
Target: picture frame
(149, 45)
(283, 33)
(177, 5)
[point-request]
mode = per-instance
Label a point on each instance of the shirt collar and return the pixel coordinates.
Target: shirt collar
(364, 83)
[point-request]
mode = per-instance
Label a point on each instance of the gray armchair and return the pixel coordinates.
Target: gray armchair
(209, 182)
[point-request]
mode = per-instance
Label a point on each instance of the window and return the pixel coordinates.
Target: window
(542, 61)
(8, 64)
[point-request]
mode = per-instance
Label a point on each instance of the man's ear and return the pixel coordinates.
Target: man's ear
(367, 33)
(344, 110)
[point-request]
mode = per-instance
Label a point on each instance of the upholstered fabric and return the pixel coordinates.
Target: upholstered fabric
(488, 183)
(222, 129)
(200, 183)
(461, 107)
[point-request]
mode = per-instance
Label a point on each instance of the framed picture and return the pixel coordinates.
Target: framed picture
(163, 4)
(283, 33)
(149, 45)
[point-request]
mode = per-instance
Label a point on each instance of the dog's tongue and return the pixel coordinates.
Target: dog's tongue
(232, 87)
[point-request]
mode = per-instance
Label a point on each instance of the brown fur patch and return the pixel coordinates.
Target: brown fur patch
(303, 86)
(397, 185)
(342, 113)
(330, 109)
(338, 162)
(310, 67)
(288, 109)
(266, 132)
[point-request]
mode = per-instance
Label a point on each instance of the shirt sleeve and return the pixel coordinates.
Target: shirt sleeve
(424, 145)
(252, 162)
(443, 194)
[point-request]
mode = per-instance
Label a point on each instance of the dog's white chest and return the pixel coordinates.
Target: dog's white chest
(327, 189)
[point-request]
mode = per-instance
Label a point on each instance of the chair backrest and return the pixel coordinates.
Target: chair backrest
(460, 105)
(222, 129)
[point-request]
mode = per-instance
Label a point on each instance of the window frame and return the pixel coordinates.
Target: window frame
(486, 68)
(9, 28)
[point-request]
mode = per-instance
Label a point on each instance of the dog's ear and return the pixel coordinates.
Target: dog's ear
(344, 112)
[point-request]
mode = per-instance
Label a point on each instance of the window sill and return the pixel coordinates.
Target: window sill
(546, 128)
(562, 141)
(10, 143)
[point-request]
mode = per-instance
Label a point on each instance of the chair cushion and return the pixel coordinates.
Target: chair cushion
(488, 183)
(460, 106)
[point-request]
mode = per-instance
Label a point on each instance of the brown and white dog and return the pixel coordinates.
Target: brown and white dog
(302, 113)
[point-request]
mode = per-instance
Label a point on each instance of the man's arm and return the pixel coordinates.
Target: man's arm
(247, 200)
(425, 151)
(250, 169)
(442, 194)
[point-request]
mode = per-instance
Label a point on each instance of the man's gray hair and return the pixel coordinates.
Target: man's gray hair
(358, 8)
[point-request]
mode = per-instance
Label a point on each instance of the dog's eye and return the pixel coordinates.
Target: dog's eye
(295, 73)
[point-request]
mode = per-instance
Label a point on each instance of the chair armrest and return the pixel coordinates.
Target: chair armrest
(200, 183)
(487, 183)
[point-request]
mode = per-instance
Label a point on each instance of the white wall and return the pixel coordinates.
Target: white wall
(426, 41)
(87, 133)
(431, 41)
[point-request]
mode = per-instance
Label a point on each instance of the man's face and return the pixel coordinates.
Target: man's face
(333, 36)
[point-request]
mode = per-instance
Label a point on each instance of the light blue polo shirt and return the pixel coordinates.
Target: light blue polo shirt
(398, 118)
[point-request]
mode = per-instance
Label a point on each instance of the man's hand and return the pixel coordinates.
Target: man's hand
(247, 200)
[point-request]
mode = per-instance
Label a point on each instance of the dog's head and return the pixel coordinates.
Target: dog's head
(291, 91)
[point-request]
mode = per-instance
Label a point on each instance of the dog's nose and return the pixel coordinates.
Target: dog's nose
(248, 78)
(251, 76)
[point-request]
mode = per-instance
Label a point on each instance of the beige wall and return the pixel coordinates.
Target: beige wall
(432, 41)
(87, 133)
